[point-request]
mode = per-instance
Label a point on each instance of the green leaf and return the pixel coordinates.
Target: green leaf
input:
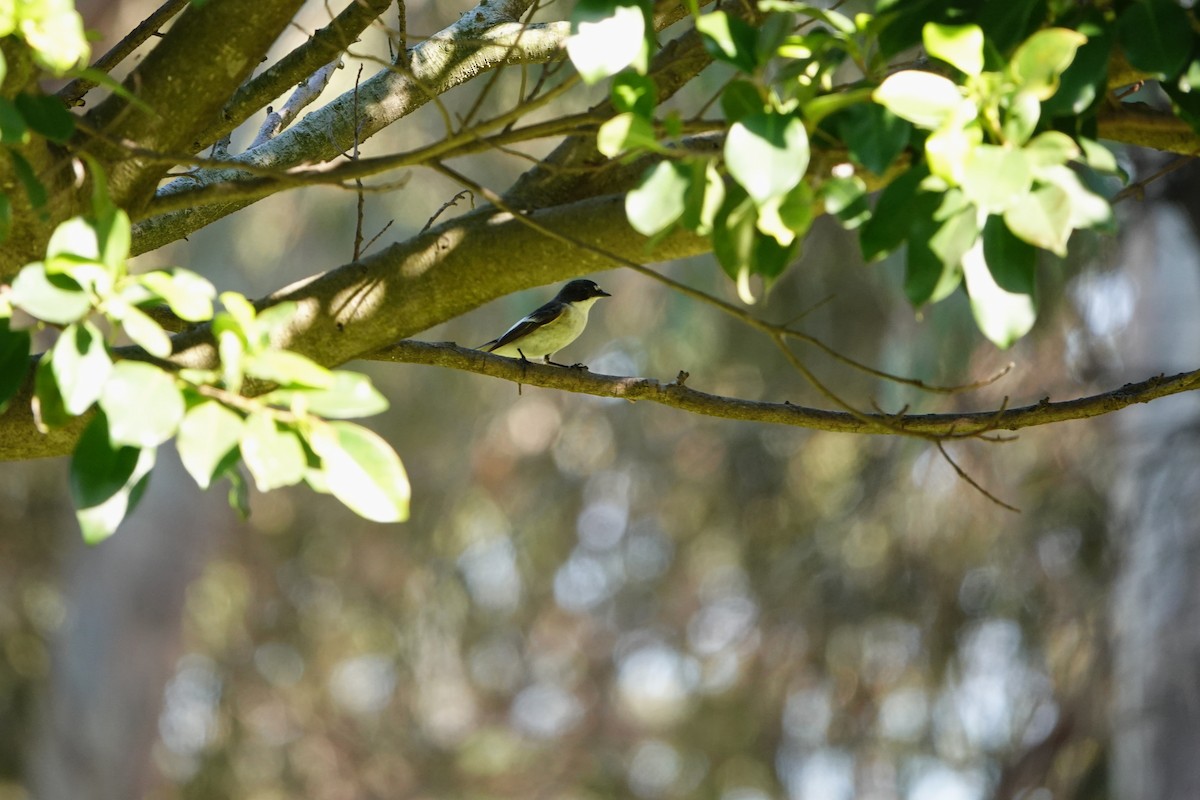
(48, 409)
(658, 201)
(606, 37)
(13, 130)
(1042, 58)
(189, 295)
(53, 298)
(5, 217)
(350, 395)
(1051, 148)
(729, 39)
(705, 193)
(635, 94)
(274, 457)
(145, 332)
(874, 136)
(767, 154)
(1087, 209)
(106, 480)
(74, 241)
(1085, 81)
(14, 361)
(960, 46)
(1021, 115)
(936, 247)
(207, 434)
(288, 369)
(626, 132)
(232, 350)
(846, 198)
(362, 471)
(116, 237)
(996, 177)
(1011, 261)
(741, 99)
(1099, 157)
(734, 234)
(46, 115)
(81, 365)
(1042, 218)
(54, 30)
(790, 216)
(1009, 22)
(143, 404)
(949, 149)
(1156, 35)
(924, 99)
(34, 189)
(1002, 316)
(900, 202)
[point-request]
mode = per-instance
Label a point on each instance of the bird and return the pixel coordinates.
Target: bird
(551, 327)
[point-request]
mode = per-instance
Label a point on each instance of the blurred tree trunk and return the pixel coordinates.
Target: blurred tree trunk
(119, 646)
(1156, 602)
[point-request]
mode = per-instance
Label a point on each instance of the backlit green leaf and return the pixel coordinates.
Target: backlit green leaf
(143, 404)
(658, 201)
(1042, 218)
(1042, 58)
(1002, 316)
(924, 99)
(351, 395)
(362, 471)
(208, 432)
(996, 177)
(606, 37)
(729, 39)
(960, 46)
(288, 369)
(53, 298)
(767, 154)
(274, 457)
(81, 365)
(106, 480)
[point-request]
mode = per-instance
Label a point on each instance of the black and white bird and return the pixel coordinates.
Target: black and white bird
(551, 327)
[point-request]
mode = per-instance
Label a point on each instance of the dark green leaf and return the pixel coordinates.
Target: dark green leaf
(1157, 36)
(14, 361)
(34, 189)
(634, 93)
(1009, 22)
(899, 204)
(874, 136)
(705, 194)
(143, 404)
(846, 198)
(13, 130)
(48, 409)
(1002, 316)
(741, 99)
(81, 365)
(5, 217)
(106, 480)
(1085, 81)
(935, 252)
(1011, 261)
(729, 39)
(46, 115)
(734, 234)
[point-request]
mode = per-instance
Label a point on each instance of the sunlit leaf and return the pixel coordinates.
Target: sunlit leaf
(143, 404)
(606, 37)
(362, 471)
(1002, 316)
(274, 457)
(658, 201)
(1042, 58)
(81, 365)
(53, 298)
(924, 99)
(106, 480)
(208, 432)
(767, 154)
(960, 46)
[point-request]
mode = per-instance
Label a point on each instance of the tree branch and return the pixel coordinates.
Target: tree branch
(481, 39)
(322, 47)
(677, 395)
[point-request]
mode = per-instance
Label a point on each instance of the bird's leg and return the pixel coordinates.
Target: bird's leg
(576, 365)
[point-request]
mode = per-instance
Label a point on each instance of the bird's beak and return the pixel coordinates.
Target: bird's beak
(602, 293)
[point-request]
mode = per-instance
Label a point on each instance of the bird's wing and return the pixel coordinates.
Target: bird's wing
(542, 316)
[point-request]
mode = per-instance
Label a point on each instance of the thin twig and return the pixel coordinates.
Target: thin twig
(971, 481)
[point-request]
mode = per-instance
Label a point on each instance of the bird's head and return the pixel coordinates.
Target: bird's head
(580, 290)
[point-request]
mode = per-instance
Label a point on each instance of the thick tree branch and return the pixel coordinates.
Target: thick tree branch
(183, 84)
(678, 395)
(322, 47)
(482, 39)
(72, 94)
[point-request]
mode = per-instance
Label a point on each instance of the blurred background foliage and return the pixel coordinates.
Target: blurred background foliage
(594, 598)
